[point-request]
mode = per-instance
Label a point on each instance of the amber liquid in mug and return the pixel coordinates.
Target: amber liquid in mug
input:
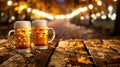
(40, 36)
(23, 38)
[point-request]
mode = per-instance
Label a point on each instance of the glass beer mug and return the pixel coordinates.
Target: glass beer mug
(22, 36)
(40, 34)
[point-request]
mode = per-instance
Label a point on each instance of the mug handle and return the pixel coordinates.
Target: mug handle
(50, 28)
(9, 38)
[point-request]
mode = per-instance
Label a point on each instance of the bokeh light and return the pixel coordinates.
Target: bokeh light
(90, 6)
(99, 3)
(9, 3)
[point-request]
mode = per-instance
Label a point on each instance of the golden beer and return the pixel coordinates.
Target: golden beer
(40, 36)
(22, 34)
(23, 38)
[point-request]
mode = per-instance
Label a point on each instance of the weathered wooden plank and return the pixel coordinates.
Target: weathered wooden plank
(57, 59)
(2, 40)
(92, 46)
(103, 53)
(99, 61)
(37, 58)
(41, 59)
(70, 53)
(14, 61)
(5, 51)
(5, 56)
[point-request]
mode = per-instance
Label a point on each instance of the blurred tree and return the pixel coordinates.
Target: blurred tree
(116, 30)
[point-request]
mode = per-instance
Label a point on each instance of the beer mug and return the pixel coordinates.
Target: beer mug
(22, 36)
(40, 34)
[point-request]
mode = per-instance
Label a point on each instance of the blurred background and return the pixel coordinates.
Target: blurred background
(98, 14)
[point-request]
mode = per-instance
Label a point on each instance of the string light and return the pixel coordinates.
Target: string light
(68, 16)
(76, 12)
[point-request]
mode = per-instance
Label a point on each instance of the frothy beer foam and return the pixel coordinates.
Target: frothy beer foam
(39, 23)
(22, 24)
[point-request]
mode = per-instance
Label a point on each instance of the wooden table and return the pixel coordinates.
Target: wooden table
(65, 53)
(86, 53)
(37, 58)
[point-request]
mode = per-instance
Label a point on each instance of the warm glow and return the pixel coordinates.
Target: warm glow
(93, 16)
(110, 8)
(96, 0)
(9, 3)
(68, 16)
(98, 14)
(109, 15)
(82, 18)
(60, 17)
(115, 0)
(113, 17)
(29, 10)
(84, 9)
(22, 7)
(46, 15)
(99, 3)
(2, 14)
(12, 18)
(15, 4)
(57, 17)
(34, 11)
(90, 6)
(103, 17)
(102, 12)
(76, 12)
